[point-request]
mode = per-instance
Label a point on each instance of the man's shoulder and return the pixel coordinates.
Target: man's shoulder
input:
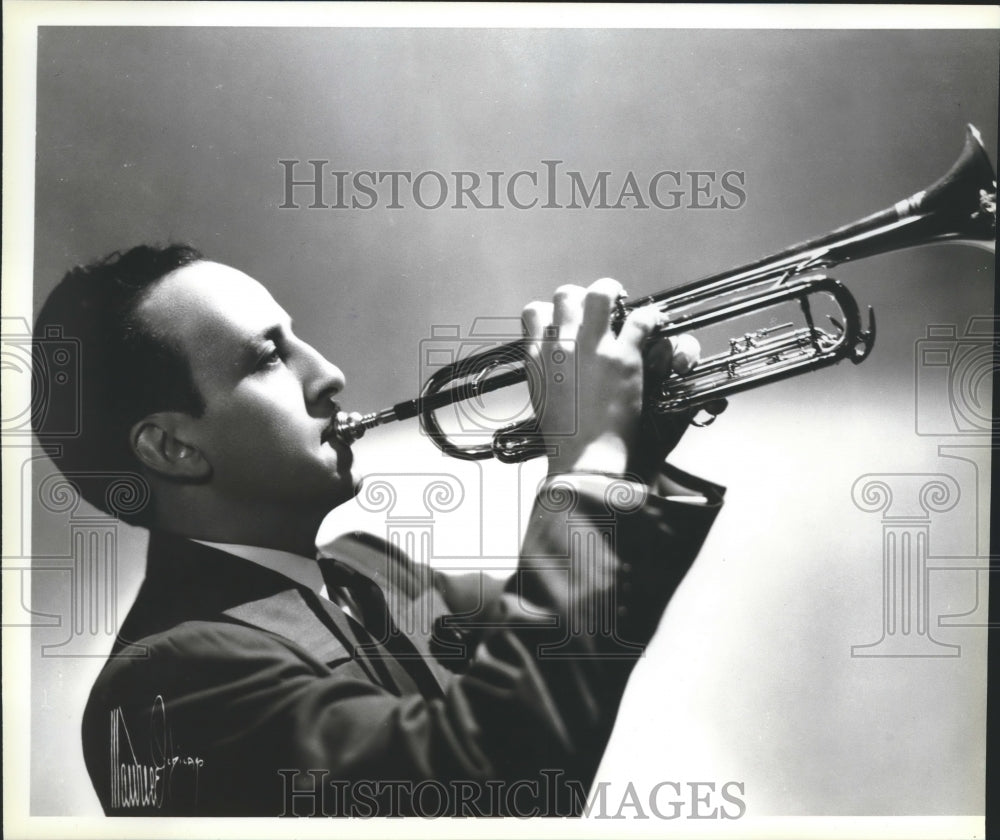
(188, 581)
(196, 656)
(205, 641)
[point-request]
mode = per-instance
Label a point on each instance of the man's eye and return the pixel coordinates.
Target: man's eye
(269, 359)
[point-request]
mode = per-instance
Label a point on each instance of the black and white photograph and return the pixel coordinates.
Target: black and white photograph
(579, 415)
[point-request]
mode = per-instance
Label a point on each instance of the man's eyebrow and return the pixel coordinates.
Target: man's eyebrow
(275, 333)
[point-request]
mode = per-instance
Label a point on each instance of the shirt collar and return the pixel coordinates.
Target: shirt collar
(302, 570)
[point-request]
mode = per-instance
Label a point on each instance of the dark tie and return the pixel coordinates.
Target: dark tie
(377, 620)
(361, 594)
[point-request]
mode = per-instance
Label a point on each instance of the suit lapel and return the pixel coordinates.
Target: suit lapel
(287, 614)
(324, 631)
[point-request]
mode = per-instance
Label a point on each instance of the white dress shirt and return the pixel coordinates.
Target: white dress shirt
(302, 570)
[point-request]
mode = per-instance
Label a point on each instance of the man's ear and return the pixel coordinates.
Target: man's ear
(158, 443)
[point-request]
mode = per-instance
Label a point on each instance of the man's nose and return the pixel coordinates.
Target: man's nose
(322, 378)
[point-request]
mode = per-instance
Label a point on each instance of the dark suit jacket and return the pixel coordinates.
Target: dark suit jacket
(234, 691)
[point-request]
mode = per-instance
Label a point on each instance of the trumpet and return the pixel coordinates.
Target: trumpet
(959, 207)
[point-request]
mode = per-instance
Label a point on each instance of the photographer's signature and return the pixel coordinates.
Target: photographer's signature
(149, 785)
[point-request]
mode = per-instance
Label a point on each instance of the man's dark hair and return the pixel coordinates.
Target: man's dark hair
(123, 371)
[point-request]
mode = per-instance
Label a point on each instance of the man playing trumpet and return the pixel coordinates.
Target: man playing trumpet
(250, 678)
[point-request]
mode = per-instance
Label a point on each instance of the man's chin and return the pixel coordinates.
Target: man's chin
(347, 487)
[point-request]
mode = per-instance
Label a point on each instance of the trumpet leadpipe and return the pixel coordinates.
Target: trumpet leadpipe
(349, 427)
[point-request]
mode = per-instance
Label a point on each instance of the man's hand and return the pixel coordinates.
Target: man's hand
(660, 433)
(587, 384)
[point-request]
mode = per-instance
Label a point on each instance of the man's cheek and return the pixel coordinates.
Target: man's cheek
(289, 443)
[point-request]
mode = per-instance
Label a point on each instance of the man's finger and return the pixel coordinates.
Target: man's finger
(598, 304)
(659, 358)
(639, 326)
(679, 355)
(535, 317)
(686, 353)
(567, 305)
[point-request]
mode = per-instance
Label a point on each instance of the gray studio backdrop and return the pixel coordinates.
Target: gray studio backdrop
(760, 673)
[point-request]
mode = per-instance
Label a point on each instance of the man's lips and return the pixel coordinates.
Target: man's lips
(345, 457)
(331, 437)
